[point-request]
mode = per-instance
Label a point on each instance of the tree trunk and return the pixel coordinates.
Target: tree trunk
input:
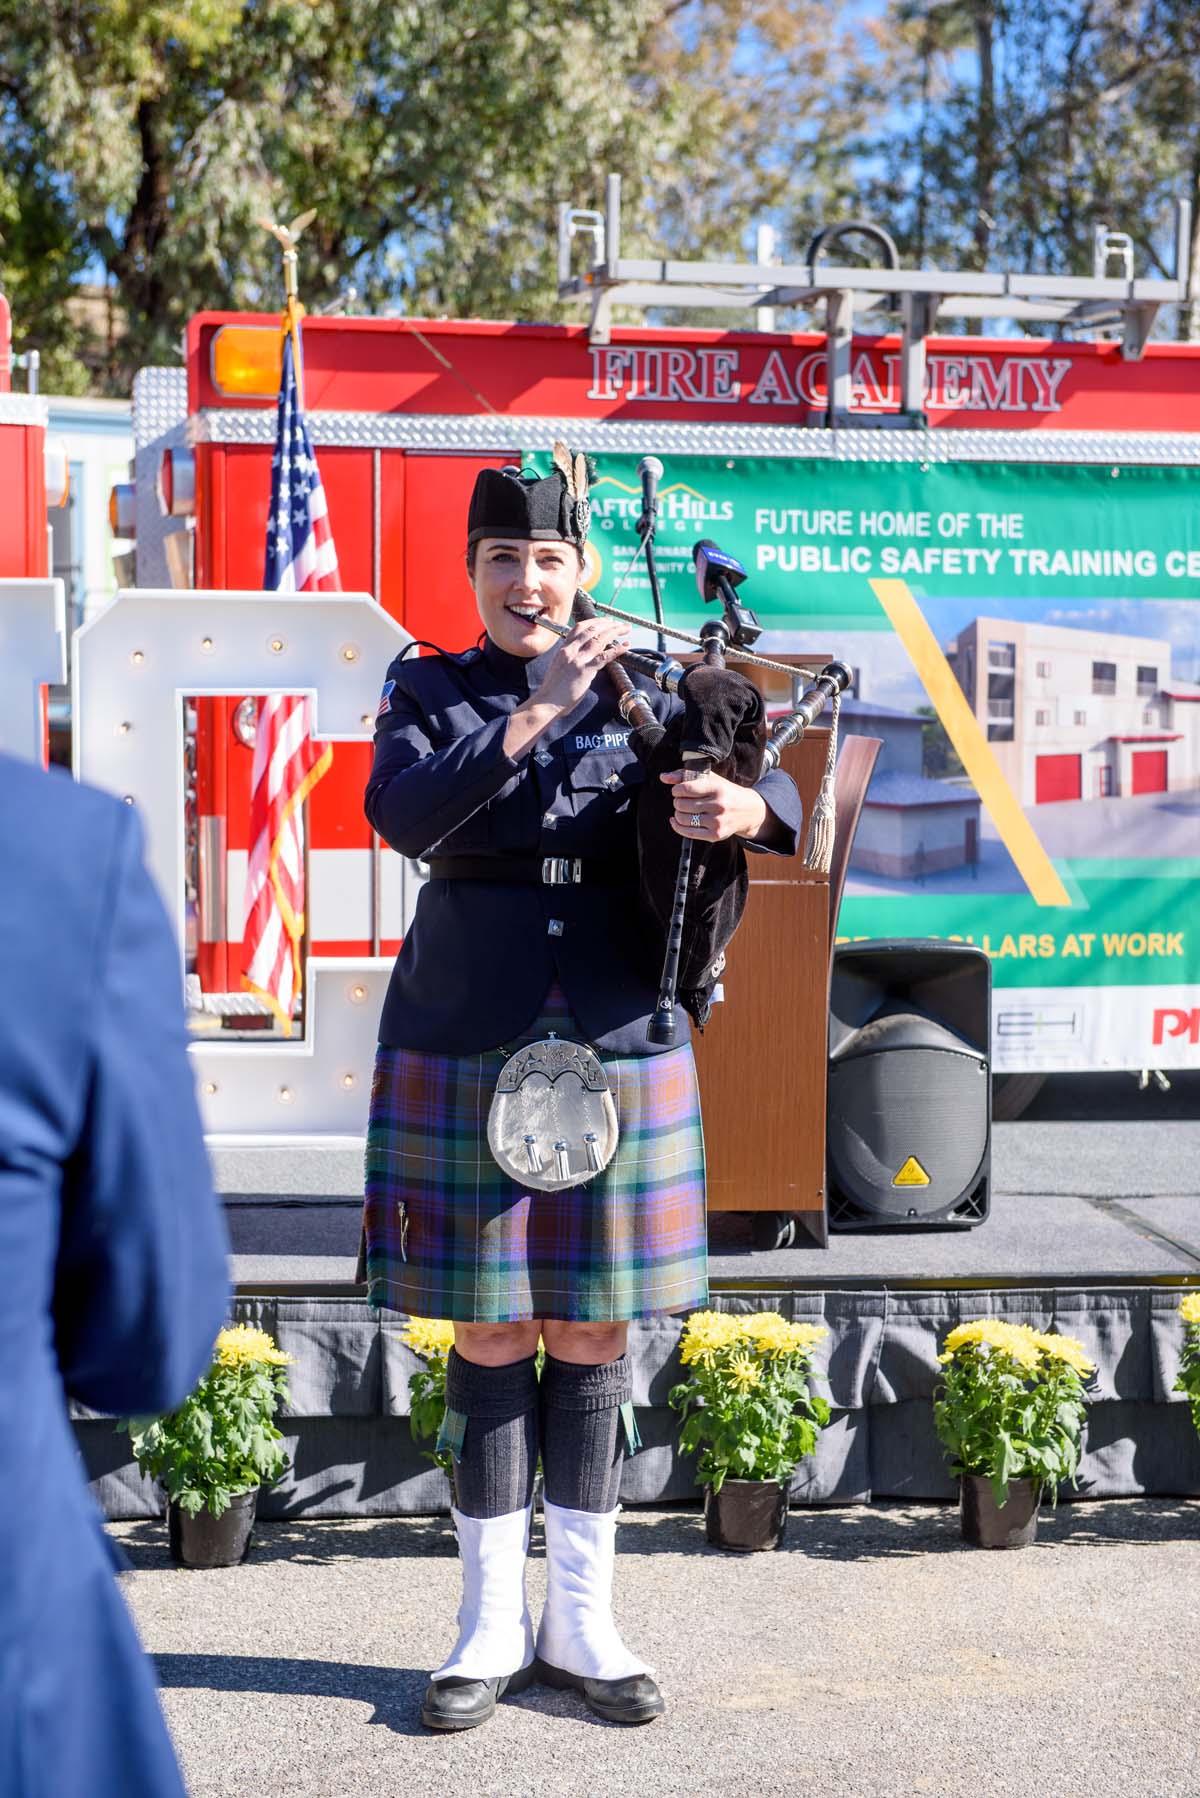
(135, 266)
(1189, 315)
(985, 159)
(922, 140)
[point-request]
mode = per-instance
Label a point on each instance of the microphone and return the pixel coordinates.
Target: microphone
(717, 576)
(651, 471)
(717, 573)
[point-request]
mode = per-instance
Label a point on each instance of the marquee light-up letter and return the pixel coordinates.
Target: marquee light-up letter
(134, 665)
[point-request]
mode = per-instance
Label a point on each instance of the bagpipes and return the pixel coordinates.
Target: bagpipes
(695, 893)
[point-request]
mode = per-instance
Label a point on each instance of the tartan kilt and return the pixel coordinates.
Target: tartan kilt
(448, 1235)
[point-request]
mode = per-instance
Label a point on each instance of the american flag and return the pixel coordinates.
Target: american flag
(301, 557)
(287, 763)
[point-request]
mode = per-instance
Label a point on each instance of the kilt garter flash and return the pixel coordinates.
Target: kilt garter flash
(448, 1235)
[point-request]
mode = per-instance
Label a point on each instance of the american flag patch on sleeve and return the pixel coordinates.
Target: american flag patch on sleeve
(385, 698)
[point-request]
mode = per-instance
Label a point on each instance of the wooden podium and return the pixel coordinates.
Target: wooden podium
(762, 1057)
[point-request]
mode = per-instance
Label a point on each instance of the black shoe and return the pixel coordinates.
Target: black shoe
(456, 1703)
(633, 1700)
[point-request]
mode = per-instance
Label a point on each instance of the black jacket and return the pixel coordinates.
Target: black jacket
(475, 965)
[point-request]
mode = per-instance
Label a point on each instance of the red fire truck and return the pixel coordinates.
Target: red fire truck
(24, 544)
(851, 483)
(33, 479)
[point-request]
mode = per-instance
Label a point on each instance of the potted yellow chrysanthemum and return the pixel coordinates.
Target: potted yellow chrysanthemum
(1010, 1412)
(747, 1408)
(215, 1452)
(1189, 1361)
(432, 1339)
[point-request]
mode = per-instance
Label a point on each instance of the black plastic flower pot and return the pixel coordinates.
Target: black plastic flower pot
(985, 1524)
(208, 1541)
(746, 1516)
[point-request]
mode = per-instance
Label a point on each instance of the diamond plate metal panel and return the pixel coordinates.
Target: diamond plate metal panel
(488, 433)
(159, 423)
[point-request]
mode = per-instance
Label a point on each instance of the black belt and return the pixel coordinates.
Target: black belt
(536, 870)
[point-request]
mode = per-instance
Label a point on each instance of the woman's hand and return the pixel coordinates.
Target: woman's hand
(709, 808)
(592, 645)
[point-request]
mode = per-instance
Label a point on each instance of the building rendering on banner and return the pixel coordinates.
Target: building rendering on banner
(910, 826)
(1079, 714)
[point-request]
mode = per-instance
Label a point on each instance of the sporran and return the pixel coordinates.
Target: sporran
(552, 1121)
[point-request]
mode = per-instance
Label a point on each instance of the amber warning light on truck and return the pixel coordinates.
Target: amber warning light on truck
(247, 361)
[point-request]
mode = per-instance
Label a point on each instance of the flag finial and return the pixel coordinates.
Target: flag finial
(286, 236)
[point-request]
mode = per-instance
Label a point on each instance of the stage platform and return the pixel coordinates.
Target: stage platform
(1094, 1230)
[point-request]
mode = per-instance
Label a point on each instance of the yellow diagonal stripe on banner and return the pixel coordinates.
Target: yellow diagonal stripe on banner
(963, 729)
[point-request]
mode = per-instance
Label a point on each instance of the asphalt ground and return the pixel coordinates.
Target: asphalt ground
(872, 1655)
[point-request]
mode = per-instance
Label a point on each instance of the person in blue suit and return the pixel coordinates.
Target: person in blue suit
(113, 1262)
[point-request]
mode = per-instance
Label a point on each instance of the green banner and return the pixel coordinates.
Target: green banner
(812, 534)
(1026, 646)
(1123, 929)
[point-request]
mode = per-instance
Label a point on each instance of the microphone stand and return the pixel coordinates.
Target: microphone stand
(646, 526)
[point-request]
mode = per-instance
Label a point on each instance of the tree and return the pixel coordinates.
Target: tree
(939, 758)
(141, 140)
(1019, 127)
(172, 129)
(40, 260)
(436, 144)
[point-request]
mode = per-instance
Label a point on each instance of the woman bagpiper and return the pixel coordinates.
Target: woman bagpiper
(508, 767)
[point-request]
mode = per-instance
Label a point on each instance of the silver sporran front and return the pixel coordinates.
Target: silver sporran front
(552, 1121)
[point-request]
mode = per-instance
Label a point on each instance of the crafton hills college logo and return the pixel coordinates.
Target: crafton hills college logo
(616, 506)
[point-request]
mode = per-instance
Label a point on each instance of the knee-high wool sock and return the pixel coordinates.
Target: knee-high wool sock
(494, 1473)
(583, 1436)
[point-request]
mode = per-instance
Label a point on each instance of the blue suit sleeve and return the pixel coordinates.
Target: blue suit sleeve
(416, 794)
(141, 1282)
(783, 805)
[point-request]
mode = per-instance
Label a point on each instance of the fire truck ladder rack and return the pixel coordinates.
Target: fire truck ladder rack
(919, 296)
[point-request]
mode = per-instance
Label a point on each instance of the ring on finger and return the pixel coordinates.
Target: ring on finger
(696, 820)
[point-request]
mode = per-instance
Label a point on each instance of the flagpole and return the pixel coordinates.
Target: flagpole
(286, 236)
(293, 311)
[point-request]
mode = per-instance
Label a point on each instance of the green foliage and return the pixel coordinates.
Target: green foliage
(435, 143)
(1004, 1420)
(939, 758)
(1189, 1369)
(140, 143)
(747, 1411)
(1013, 129)
(220, 1442)
(427, 1407)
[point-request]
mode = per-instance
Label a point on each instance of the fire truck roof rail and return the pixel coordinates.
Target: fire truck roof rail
(918, 296)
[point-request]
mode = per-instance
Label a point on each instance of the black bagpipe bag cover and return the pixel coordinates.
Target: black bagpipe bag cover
(724, 719)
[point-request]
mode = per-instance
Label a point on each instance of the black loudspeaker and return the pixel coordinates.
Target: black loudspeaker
(909, 1116)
